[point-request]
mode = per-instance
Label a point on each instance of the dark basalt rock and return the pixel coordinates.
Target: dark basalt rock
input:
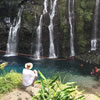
(3, 36)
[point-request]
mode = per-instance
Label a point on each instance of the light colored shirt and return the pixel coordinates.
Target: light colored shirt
(28, 77)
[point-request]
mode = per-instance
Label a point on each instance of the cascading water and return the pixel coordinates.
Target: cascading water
(51, 26)
(39, 48)
(93, 44)
(71, 23)
(94, 38)
(12, 38)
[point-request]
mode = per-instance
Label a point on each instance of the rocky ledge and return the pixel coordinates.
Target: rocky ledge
(22, 93)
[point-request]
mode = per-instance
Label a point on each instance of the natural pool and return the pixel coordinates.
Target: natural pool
(69, 70)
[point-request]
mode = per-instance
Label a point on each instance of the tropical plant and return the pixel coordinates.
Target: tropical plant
(52, 89)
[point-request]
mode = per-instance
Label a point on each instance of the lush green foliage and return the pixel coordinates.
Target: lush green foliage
(84, 14)
(52, 89)
(10, 81)
(84, 17)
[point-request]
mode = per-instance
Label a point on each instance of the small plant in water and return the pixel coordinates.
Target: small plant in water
(52, 89)
(3, 65)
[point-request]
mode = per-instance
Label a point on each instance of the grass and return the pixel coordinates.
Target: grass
(9, 81)
(51, 89)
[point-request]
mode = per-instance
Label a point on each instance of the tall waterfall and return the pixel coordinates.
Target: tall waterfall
(51, 26)
(71, 23)
(12, 37)
(94, 38)
(39, 31)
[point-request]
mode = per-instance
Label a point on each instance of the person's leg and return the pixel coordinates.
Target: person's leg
(36, 75)
(34, 80)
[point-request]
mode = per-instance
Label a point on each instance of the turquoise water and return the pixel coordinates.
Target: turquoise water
(69, 70)
(46, 66)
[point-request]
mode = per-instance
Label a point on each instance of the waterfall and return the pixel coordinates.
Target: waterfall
(93, 44)
(71, 23)
(39, 48)
(94, 38)
(51, 26)
(12, 37)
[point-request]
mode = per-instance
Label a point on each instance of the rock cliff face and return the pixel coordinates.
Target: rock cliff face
(8, 9)
(30, 19)
(3, 35)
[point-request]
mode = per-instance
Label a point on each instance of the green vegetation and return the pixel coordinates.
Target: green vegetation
(52, 89)
(10, 81)
(84, 16)
(84, 12)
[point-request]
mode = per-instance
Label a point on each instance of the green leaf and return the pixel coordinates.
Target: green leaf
(42, 76)
(54, 80)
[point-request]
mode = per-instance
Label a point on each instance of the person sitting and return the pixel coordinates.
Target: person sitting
(96, 72)
(29, 76)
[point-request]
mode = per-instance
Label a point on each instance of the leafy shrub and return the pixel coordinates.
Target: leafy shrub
(10, 81)
(52, 89)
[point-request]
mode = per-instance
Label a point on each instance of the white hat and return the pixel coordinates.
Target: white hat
(28, 65)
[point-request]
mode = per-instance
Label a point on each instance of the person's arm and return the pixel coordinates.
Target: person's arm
(36, 73)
